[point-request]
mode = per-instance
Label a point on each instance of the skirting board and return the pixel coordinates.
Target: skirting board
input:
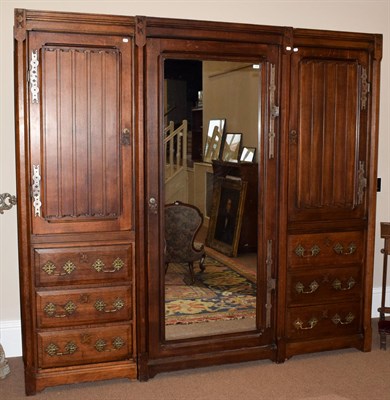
(10, 331)
(11, 338)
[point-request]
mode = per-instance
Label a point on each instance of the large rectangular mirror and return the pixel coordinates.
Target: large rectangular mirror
(209, 290)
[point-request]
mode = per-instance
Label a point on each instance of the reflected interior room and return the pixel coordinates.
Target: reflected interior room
(211, 120)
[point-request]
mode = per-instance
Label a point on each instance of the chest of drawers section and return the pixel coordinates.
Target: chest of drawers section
(324, 290)
(84, 305)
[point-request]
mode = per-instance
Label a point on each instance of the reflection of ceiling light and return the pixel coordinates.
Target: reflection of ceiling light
(256, 66)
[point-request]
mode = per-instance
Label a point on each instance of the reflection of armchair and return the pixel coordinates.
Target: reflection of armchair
(182, 223)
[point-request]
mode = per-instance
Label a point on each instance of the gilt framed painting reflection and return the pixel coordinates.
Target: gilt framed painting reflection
(226, 216)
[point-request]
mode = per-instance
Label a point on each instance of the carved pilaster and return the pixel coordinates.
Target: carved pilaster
(288, 40)
(140, 31)
(20, 24)
(378, 47)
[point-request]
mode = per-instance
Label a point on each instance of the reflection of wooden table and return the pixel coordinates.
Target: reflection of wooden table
(383, 325)
(247, 172)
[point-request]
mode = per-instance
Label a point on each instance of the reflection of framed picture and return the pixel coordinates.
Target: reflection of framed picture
(214, 139)
(248, 154)
(231, 147)
(226, 216)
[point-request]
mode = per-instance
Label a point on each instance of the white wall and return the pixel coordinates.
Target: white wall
(346, 15)
(233, 96)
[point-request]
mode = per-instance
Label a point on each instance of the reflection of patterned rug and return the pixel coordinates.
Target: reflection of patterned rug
(221, 292)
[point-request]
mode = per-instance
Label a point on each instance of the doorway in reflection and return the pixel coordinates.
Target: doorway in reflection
(211, 113)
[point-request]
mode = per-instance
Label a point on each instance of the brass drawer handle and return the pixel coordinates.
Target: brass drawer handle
(117, 344)
(300, 288)
(339, 249)
(336, 319)
(99, 266)
(118, 304)
(52, 349)
(311, 324)
(51, 309)
(336, 284)
(300, 251)
(50, 268)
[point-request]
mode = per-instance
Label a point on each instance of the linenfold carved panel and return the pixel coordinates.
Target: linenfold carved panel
(81, 120)
(327, 132)
(326, 146)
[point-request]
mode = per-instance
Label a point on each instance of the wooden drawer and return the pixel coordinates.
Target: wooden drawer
(77, 265)
(84, 346)
(316, 322)
(325, 249)
(83, 306)
(323, 286)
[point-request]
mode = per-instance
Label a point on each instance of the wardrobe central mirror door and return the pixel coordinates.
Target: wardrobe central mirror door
(211, 111)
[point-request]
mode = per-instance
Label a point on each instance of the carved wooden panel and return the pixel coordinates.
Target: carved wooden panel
(327, 159)
(84, 114)
(80, 112)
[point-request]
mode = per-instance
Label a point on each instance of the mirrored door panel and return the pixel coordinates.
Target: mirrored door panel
(210, 281)
(209, 248)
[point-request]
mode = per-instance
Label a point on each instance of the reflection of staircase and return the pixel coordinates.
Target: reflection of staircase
(175, 150)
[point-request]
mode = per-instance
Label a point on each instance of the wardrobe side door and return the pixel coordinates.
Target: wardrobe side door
(80, 132)
(328, 134)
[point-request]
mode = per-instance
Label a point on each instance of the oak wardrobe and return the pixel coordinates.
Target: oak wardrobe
(93, 96)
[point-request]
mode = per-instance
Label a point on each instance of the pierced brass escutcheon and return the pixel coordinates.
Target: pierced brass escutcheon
(336, 319)
(49, 267)
(100, 345)
(126, 138)
(69, 267)
(298, 323)
(339, 249)
(51, 309)
(300, 287)
(98, 265)
(300, 251)
(117, 343)
(293, 137)
(336, 284)
(52, 349)
(117, 265)
(118, 304)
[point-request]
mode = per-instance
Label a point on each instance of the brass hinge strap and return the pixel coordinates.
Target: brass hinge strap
(36, 190)
(365, 89)
(274, 113)
(271, 283)
(33, 77)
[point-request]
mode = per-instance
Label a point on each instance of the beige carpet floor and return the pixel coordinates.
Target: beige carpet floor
(335, 375)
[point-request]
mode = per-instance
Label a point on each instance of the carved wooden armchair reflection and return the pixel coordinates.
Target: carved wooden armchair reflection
(182, 223)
